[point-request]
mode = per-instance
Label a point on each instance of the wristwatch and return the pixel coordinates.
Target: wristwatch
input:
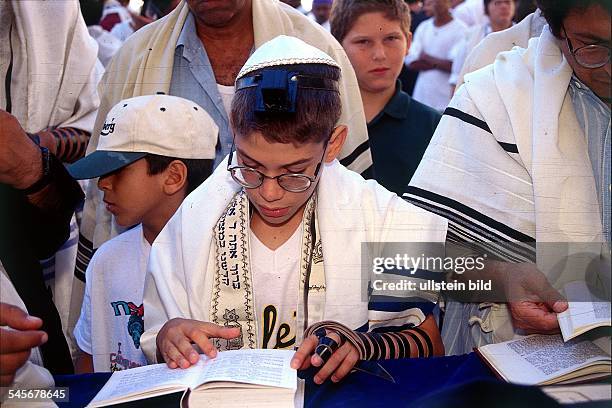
(46, 174)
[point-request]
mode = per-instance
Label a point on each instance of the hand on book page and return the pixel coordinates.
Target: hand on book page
(174, 340)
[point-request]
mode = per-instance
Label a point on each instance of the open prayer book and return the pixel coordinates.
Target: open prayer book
(583, 314)
(237, 378)
(545, 359)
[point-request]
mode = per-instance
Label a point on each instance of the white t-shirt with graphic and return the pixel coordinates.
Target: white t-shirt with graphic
(275, 287)
(112, 315)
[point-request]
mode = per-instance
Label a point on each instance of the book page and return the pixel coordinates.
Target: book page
(585, 311)
(140, 380)
(537, 358)
(251, 366)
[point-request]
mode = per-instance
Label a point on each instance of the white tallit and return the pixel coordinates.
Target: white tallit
(55, 66)
(519, 172)
(350, 211)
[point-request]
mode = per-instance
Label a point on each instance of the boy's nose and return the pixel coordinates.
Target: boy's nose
(270, 190)
(104, 182)
(379, 52)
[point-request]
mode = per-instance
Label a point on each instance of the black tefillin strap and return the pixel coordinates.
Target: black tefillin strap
(277, 89)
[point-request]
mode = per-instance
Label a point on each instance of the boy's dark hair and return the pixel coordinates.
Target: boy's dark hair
(486, 5)
(92, 11)
(555, 11)
(345, 12)
(316, 113)
(198, 170)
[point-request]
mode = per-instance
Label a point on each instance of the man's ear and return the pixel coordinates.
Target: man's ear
(175, 177)
(336, 142)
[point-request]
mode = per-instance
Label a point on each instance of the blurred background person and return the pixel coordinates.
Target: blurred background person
(296, 4)
(321, 10)
(470, 12)
(408, 76)
(108, 44)
(501, 14)
(151, 10)
(114, 12)
(430, 54)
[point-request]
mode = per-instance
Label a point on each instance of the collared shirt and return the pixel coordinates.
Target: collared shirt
(594, 118)
(399, 136)
(194, 79)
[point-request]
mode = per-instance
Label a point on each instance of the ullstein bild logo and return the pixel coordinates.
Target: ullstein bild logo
(108, 128)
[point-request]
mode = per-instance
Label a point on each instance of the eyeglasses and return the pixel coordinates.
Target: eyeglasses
(249, 177)
(589, 56)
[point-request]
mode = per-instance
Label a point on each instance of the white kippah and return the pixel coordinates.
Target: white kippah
(285, 50)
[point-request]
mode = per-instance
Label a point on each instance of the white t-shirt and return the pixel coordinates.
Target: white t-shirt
(275, 287)
(112, 314)
(432, 87)
(108, 44)
(123, 30)
(227, 94)
(471, 13)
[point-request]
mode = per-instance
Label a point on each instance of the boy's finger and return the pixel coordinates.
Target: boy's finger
(214, 330)
(200, 338)
(15, 317)
(172, 356)
(332, 364)
(346, 366)
(304, 351)
(187, 350)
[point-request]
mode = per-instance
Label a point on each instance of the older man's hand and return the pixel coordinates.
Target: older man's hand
(17, 340)
(20, 158)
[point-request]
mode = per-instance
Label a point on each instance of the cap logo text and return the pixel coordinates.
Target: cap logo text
(107, 128)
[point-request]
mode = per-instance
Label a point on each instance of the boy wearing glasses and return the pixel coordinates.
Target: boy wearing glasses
(522, 156)
(271, 243)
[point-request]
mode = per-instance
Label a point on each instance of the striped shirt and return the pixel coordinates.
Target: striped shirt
(594, 118)
(194, 79)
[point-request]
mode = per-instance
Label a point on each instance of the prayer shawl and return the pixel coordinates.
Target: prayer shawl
(349, 211)
(144, 66)
(57, 71)
(485, 52)
(54, 75)
(508, 167)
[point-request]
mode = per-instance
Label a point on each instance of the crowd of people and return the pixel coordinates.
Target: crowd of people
(202, 176)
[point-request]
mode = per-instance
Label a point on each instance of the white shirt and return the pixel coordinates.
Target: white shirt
(432, 86)
(112, 314)
(275, 287)
(227, 94)
(108, 44)
(123, 30)
(326, 25)
(471, 13)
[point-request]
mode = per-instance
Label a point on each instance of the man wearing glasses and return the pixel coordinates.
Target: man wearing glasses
(522, 156)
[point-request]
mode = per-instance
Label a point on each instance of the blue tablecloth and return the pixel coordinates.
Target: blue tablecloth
(414, 378)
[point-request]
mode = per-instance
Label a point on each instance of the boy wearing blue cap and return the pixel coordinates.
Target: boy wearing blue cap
(154, 150)
(268, 249)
